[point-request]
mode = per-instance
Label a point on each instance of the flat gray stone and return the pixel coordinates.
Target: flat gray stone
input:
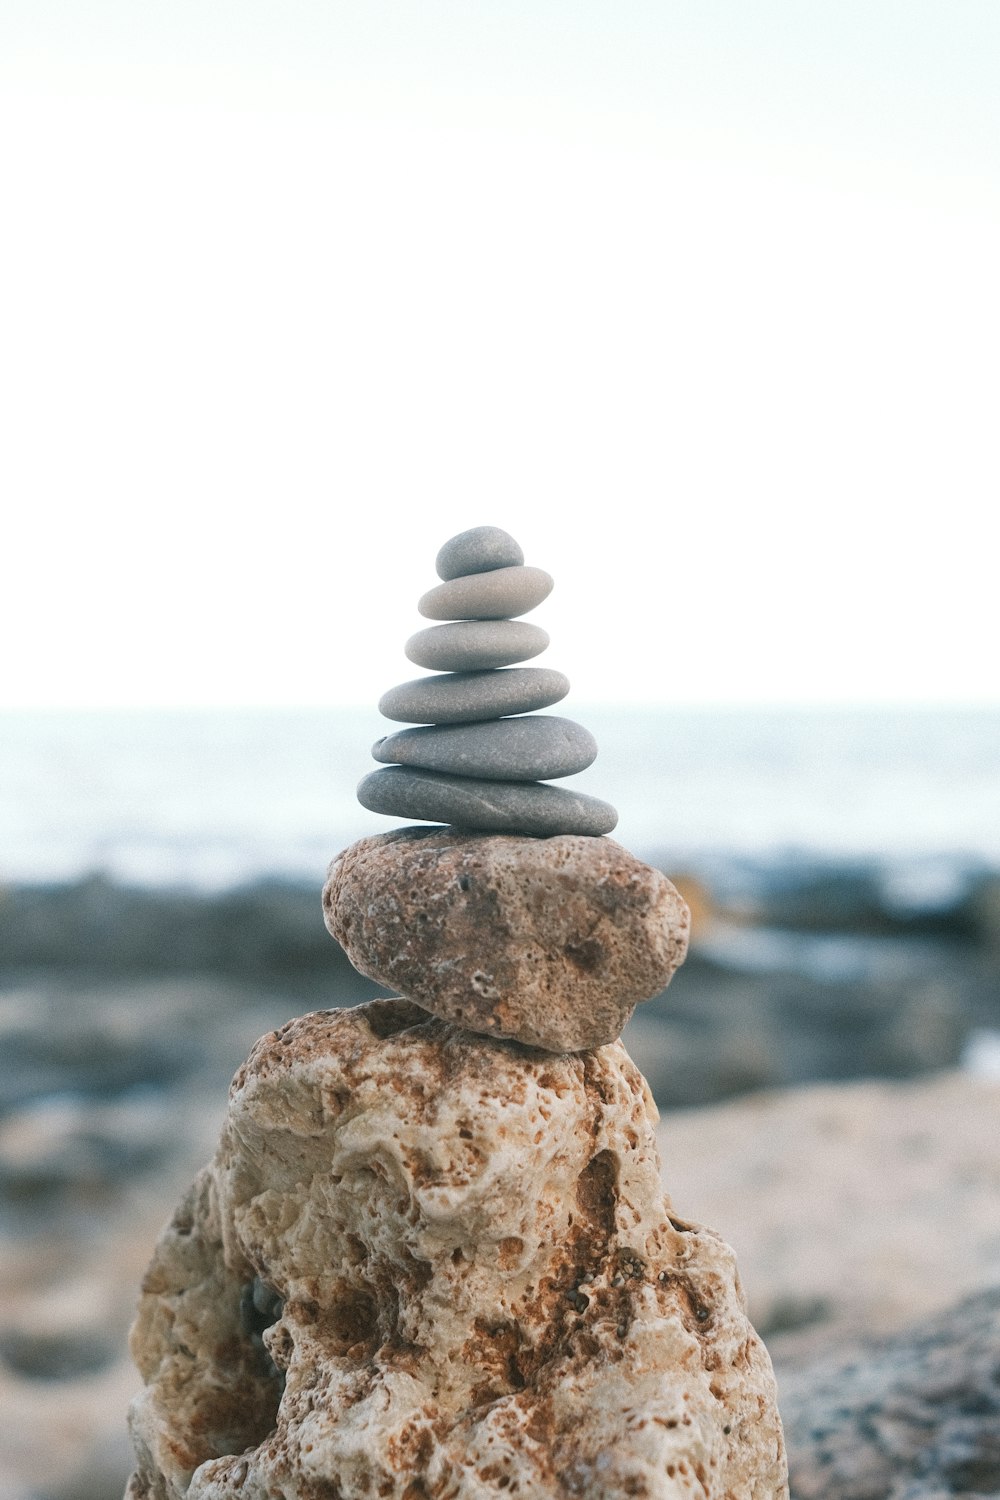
(478, 551)
(484, 806)
(535, 747)
(476, 645)
(498, 595)
(464, 697)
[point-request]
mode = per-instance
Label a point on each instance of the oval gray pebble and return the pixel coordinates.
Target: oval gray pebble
(535, 747)
(476, 645)
(484, 806)
(478, 550)
(464, 697)
(497, 595)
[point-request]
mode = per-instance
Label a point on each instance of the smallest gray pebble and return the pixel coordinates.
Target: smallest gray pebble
(479, 550)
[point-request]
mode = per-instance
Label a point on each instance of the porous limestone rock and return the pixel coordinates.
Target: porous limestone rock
(476, 1284)
(552, 942)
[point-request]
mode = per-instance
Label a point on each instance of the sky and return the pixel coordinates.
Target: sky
(699, 300)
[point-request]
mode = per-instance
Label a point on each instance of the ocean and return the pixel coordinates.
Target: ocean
(216, 798)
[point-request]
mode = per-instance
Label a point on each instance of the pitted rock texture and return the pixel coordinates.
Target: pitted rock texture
(478, 1288)
(552, 942)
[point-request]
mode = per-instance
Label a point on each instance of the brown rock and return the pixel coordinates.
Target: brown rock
(552, 942)
(427, 1263)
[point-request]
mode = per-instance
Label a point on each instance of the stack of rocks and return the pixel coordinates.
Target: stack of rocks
(433, 1256)
(475, 765)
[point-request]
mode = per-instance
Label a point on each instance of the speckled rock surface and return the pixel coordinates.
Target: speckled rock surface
(532, 747)
(476, 645)
(551, 941)
(478, 1288)
(499, 595)
(479, 806)
(479, 550)
(464, 697)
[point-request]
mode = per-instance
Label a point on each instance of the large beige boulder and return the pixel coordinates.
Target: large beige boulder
(552, 942)
(425, 1263)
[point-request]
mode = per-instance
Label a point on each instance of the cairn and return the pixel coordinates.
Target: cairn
(482, 757)
(432, 1258)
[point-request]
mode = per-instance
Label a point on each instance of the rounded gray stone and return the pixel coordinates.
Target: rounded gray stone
(464, 697)
(535, 747)
(476, 645)
(498, 595)
(484, 806)
(478, 551)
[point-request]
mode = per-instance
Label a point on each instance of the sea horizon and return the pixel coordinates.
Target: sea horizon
(212, 797)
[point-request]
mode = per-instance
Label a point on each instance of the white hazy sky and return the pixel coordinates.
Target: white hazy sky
(700, 300)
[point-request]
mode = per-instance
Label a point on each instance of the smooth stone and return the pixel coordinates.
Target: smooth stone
(551, 942)
(463, 697)
(479, 550)
(476, 645)
(485, 806)
(530, 748)
(498, 595)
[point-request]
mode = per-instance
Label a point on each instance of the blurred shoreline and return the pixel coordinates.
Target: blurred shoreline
(214, 799)
(814, 972)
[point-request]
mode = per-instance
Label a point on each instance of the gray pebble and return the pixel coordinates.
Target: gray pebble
(484, 806)
(262, 1295)
(476, 645)
(478, 551)
(535, 747)
(498, 595)
(464, 697)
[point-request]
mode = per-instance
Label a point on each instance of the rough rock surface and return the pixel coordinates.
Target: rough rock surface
(552, 942)
(482, 1289)
(911, 1417)
(906, 1237)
